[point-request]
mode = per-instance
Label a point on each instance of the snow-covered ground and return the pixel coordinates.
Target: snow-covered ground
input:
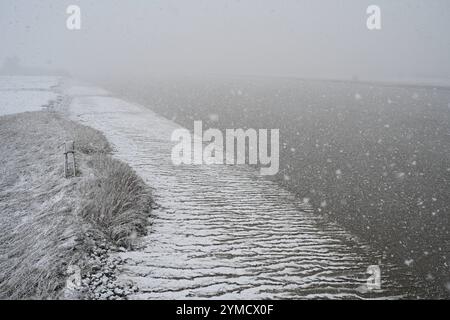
(25, 93)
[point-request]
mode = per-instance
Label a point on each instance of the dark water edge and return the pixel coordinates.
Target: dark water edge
(374, 158)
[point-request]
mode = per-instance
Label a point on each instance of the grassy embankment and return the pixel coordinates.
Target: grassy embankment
(45, 218)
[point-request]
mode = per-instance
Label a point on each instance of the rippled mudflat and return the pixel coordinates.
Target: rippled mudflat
(225, 232)
(372, 157)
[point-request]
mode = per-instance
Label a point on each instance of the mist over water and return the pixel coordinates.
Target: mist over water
(319, 39)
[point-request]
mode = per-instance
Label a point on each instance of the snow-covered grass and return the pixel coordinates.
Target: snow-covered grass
(39, 230)
(116, 201)
(44, 217)
(88, 140)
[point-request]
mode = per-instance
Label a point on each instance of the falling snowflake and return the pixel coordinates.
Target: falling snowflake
(409, 262)
(400, 175)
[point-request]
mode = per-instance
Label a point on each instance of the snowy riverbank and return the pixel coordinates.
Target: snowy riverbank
(219, 231)
(57, 233)
(224, 231)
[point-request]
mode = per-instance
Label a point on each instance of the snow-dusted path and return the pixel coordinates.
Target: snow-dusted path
(223, 231)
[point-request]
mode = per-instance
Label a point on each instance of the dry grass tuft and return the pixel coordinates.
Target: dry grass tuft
(38, 254)
(116, 201)
(89, 141)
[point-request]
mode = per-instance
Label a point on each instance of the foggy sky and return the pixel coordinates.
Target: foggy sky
(315, 38)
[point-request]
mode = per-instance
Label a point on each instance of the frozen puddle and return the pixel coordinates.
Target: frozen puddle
(223, 231)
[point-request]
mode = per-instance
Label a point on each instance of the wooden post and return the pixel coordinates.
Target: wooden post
(69, 148)
(73, 156)
(65, 164)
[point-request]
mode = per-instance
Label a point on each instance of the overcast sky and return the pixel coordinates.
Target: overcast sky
(310, 38)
